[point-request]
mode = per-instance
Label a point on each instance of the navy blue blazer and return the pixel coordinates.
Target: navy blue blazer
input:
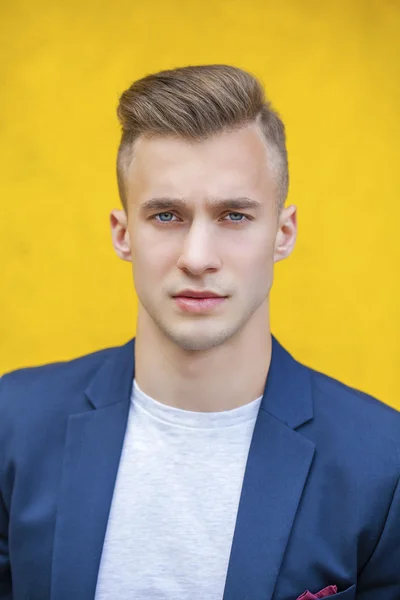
(320, 503)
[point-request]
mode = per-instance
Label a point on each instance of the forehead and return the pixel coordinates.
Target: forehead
(229, 163)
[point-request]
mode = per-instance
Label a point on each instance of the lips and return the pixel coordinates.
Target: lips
(198, 305)
(197, 295)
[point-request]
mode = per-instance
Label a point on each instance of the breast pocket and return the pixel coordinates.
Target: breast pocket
(348, 594)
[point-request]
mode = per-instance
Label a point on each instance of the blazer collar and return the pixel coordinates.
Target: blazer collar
(287, 393)
(287, 380)
(113, 381)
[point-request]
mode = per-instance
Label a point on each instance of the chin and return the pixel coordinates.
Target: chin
(200, 340)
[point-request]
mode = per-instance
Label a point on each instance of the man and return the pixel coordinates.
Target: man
(199, 461)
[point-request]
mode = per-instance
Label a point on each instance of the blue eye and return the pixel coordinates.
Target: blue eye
(238, 215)
(163, 215)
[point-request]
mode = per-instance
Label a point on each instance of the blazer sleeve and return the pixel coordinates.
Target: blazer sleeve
(5, 571)
(380, 577)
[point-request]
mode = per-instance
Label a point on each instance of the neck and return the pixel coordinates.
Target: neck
(221, 378)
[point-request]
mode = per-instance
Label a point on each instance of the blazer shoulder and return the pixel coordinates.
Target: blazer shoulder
(350, 399)
(50, 382)
(360, 421)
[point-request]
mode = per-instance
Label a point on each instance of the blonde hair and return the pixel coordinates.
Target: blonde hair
(194, 103)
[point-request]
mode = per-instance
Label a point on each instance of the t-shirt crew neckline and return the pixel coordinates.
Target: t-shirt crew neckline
(197, 420)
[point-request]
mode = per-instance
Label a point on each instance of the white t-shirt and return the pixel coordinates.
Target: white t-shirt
(175, 502)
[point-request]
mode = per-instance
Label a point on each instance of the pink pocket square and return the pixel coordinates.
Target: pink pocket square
(328, 591)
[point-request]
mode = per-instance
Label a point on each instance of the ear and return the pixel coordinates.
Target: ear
(287, 232)
(120, 235)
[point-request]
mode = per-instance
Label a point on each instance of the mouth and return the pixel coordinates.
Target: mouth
(197, 303)
(197, 294)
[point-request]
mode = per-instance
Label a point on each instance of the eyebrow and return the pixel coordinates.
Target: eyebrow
(164, 204)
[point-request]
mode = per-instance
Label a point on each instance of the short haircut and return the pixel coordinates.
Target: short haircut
(195, 103)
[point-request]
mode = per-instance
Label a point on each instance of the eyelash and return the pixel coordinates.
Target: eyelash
(246, 218)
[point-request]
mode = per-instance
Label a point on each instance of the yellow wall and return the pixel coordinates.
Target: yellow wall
(331, 68)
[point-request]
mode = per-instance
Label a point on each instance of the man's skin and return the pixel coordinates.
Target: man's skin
(219, 359)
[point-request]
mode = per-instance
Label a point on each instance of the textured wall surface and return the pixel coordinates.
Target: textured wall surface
(330, 68)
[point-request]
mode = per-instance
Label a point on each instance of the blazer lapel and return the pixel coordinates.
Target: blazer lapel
(91, 457)
(277, 468)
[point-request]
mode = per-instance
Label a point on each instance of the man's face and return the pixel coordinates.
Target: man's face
(189, 241)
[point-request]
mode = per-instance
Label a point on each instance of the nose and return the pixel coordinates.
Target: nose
(199, 252)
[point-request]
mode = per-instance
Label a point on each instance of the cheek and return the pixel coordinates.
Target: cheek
(253, 256)
(152, 256)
